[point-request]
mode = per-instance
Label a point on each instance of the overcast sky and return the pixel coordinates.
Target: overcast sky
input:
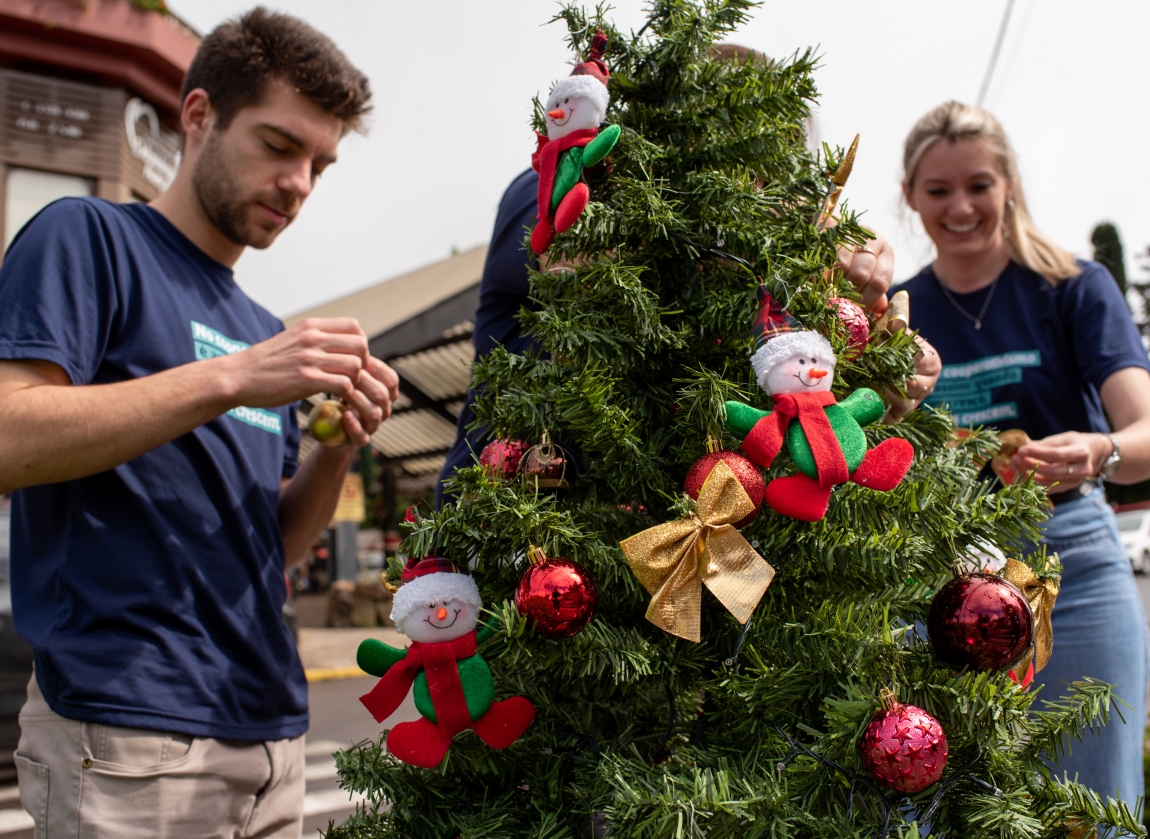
(454, 79)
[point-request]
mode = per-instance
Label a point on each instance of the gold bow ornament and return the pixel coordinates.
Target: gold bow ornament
(675, 560)
(1040, 594)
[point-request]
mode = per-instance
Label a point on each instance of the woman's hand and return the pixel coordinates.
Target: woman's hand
(1064, 460)
(870, 269)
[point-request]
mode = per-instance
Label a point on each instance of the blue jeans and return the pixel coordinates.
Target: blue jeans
(1099, 630)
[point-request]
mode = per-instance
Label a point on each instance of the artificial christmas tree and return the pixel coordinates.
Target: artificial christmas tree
(748, 729)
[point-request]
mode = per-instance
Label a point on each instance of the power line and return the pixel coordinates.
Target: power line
(994, 55)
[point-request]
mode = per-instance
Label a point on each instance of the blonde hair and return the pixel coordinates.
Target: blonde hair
(955, 121)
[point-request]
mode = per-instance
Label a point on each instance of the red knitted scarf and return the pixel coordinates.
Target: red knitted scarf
(545, 160)
(439, 662)
(767, 437)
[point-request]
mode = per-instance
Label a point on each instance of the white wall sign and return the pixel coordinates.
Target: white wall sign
(156, 147)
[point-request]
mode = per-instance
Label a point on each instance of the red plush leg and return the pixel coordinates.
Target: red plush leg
(419, 743)
(885, 465)
(542, 236)
(799, 497)
(505, 722)
(571, 207)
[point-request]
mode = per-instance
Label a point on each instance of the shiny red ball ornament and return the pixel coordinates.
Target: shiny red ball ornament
(557, 595)
(980, 621)
(904, 748)
(854, 320)
(746, 472)
(501, 457)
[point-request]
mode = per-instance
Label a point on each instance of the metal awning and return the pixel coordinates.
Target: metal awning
(420, 324)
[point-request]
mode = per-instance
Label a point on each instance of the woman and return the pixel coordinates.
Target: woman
(1030, 338)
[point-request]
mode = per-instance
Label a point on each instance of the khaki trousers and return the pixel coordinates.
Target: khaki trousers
(89, 781)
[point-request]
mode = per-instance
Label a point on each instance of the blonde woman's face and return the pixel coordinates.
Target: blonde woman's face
(960, 192)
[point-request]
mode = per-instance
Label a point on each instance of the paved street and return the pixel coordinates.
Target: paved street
(338, 720)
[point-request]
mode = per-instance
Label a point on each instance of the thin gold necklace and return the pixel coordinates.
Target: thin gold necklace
(977, 321)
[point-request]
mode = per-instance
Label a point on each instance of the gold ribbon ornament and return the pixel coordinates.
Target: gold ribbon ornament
(675, 560)
(1040, 594)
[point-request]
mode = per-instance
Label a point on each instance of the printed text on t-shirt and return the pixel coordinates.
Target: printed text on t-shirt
(966, 388)
(209, 343)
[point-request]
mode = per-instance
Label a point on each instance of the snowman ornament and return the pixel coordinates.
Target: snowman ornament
(575, 108)
(437, 607)
(795, 366)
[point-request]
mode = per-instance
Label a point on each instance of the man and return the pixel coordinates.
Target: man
(147, 427)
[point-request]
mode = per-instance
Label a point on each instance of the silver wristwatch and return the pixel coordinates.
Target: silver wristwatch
(1110, 465)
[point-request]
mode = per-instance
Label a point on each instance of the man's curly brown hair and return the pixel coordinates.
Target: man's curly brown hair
(239, 58)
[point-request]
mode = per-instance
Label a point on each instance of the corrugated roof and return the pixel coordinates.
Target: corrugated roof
(387, 304)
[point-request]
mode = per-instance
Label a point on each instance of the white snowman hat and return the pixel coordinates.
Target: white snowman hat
(588, 87)
(778, 336)
(429, 581)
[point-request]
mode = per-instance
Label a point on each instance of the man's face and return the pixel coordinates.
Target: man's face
(252, 177)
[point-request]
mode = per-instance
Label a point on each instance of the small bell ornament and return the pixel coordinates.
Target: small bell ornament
(904, 747)
(557, 595)
(547, 466)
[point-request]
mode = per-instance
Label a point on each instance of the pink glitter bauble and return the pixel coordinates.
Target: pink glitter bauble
(854, 319)
(904, 748)
(501, 457)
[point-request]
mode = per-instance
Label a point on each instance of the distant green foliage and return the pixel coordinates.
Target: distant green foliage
(146, 5)
(644, 339)
(1108, 251)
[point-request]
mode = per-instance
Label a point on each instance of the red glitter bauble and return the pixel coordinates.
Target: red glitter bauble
(746, 472)
(853, 318)
(904, 748)
(501, 457)
(558, 596)
(980, 621)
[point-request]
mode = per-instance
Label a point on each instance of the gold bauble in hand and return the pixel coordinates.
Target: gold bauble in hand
(325, 423)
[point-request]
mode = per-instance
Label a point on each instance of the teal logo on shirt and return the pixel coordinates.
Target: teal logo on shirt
(965, 388)
(208, 344)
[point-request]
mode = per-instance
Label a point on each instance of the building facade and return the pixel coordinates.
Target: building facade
(89, 102)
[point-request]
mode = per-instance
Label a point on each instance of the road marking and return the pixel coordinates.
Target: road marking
(323, 747)
(319, 771)
(13, 820)
(316, 803)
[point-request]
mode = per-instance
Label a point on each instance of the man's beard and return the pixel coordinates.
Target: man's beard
(216, 188)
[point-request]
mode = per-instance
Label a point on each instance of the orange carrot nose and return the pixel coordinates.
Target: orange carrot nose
(556, 114)
(816, 373)
(441, 614)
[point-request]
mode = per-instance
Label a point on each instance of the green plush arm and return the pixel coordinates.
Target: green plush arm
(485, 633)
(742, 418)
(376, 657)
(601, 146)
(566, 174)
(864, 405)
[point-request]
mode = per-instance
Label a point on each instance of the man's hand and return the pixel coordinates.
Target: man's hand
(317, 355)
(870, 269)
(370, 403)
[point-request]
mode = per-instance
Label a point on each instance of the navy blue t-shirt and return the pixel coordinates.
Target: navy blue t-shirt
(503, 290)
(152, 592)
(1041, 356)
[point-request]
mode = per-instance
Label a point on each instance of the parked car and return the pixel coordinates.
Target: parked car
(1134, 528)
